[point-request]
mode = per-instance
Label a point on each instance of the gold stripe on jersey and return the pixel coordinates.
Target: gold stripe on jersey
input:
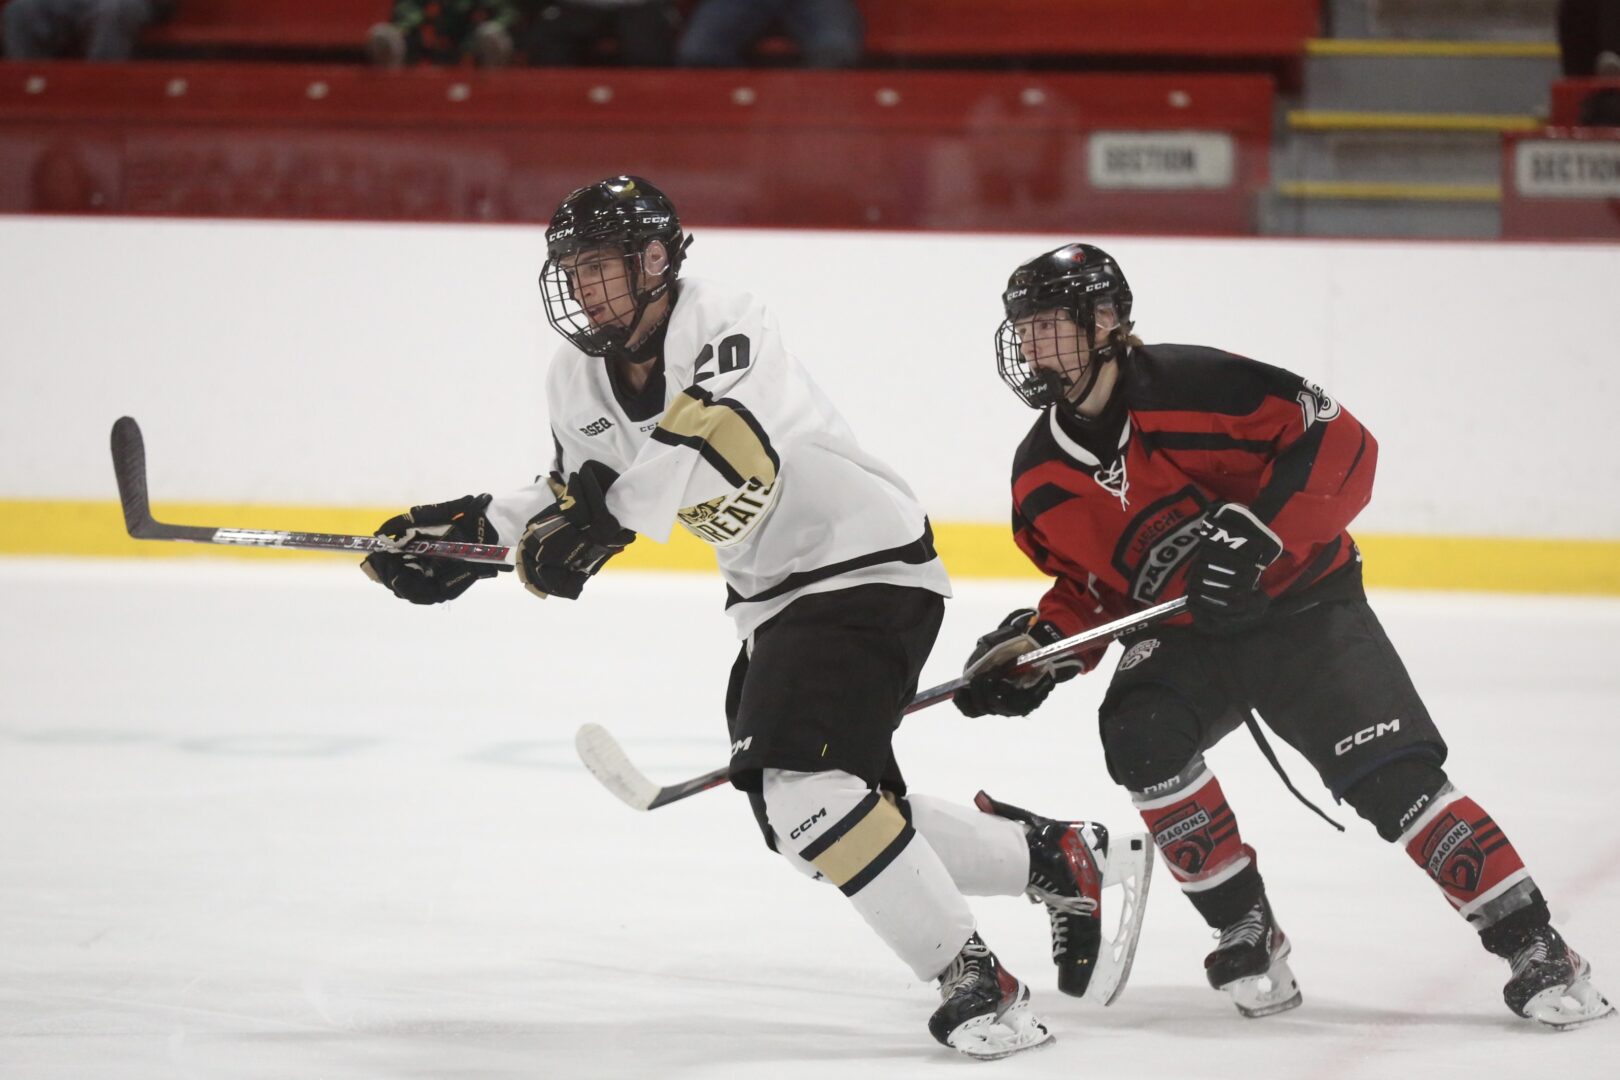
(859, 847)
(724, 432)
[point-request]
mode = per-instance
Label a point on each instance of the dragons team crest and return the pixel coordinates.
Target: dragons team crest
(1138, 653)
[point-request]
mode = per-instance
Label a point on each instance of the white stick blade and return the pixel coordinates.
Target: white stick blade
(601, 753)
(1130, 868)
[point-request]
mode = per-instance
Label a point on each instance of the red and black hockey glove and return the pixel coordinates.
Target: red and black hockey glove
(992, 688)
(433, 581)
(1223, 579)
(569, 540)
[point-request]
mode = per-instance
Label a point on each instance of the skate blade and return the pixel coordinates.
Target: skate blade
(1129, 866)
(1564, 1008)
(1266, 995)
(987, 1038)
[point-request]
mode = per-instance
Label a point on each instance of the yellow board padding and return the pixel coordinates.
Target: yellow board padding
(970, 549)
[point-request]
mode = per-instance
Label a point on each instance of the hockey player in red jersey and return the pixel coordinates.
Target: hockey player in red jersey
(1163, 470)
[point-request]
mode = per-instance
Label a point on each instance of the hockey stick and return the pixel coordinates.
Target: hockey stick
(608, 762)
(129, 466)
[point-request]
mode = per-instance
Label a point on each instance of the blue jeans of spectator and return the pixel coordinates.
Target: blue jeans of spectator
(829, 33)
(96, 29)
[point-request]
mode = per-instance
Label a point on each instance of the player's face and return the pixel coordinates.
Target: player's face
(1053, 341)
(599, 279)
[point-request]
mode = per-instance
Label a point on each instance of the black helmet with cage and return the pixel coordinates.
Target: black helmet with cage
(1078, 279)
(616, 218)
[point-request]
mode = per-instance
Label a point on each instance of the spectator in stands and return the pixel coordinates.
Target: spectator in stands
(720, 33)
(568, 33)
(103, 30)
(1589, 37)
(1600, 108)
(445, 32)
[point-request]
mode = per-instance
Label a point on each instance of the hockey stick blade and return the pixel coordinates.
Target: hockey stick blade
(608, 762)
(129, 468)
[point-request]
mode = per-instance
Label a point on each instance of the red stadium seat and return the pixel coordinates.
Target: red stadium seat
(939, 150)
(229, 25)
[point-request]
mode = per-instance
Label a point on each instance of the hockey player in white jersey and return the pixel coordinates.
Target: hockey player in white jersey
(675, 400)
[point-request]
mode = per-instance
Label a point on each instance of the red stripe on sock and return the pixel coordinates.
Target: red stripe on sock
(1465, 853)
(1196, 834)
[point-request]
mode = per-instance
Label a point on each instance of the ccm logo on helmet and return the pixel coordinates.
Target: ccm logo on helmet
(1365, 735)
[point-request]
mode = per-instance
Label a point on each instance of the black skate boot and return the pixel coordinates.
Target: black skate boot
(984, 1010)
(1251, 964)
(1551, 982)
(1069, 864)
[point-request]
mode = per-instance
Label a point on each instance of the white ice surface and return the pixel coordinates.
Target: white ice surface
(262, 820)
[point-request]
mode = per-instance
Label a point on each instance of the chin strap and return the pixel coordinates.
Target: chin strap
(650, 346)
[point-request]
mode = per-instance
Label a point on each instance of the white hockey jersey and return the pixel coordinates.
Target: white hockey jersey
(741, 447)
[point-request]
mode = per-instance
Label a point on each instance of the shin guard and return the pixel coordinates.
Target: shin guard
(858, 840)
(1470, 858)
(1195, 831)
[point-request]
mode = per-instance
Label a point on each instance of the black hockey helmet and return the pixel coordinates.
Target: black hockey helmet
(1078, 279)
(619, 216)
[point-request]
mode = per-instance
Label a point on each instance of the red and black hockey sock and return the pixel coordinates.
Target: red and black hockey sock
(1477, 868)
(1512, 931)
(1197, 834)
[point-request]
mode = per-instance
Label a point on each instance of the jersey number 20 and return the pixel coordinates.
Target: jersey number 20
(733, 357)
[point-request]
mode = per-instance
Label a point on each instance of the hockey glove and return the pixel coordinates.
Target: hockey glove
(992, 689)
(433, 581)
(569, 540)
(1223, 580)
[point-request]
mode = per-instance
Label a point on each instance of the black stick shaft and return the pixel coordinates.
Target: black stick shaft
(944, 691)
(129, 468)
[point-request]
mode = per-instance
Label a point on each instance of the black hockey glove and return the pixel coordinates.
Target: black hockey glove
(991, 689)
(433, 581)
(569, 540)
(1223, 580)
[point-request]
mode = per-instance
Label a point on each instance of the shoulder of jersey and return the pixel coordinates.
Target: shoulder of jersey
(1194, 378)
(570, 367)
(704, 310)
(1038, 444)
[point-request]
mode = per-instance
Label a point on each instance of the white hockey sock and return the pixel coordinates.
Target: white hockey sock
(985, 854)
(860, 842)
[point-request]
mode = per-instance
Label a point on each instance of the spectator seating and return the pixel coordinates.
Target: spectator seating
(1567, 95)
(270, 28)
(897, 30)
(944, 150)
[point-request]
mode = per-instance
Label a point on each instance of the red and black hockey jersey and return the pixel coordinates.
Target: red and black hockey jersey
(1110, 508)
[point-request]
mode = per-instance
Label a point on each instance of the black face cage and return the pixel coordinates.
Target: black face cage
(1039, 387)
(568, 317)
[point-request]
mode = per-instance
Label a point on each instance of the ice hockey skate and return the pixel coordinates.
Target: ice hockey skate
(1070, 864)
(1551, 983)
(1251, 964)
(984, 1010)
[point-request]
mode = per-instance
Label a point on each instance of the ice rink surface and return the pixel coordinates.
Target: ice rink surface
(259, 819)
